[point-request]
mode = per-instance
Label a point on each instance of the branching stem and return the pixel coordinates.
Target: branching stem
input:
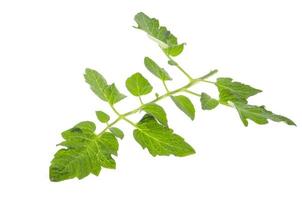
(167, 94)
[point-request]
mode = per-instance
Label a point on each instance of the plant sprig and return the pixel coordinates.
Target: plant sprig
(85, 151)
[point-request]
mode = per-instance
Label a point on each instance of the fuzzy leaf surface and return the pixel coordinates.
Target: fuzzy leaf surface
(138, 85)
(207, 102)
(113, 95)
(185, 105)
(160, 34)
(156, 70)
(117, 132)
(83, 153)
(97, 83)
(157, 112)
(102, 116)
(259, 114)
(160, 140)
(230, 90)
(99, 86)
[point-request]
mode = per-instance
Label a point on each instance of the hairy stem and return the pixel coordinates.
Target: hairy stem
(167, 94)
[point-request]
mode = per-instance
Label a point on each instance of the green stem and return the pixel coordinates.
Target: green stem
(206, 81)
(166, 87)
(168, 94)
(114, 110)
(109, 126)
(211, 73)
(140, 100)
(179, 67)
(193, 93)
(130, 122)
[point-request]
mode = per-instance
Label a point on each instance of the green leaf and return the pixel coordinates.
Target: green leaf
(138, 85)
(207, 102)
(84, 153)
(97, 82)
(174, 50)
(86, 125)
(99, 86)
(117, 132)
(113, 95)
(234, 91)
(156, 70)
(258, 114)
(160, 140)
(185, 105)
(163, 37)
(102, 117)
(157, 112)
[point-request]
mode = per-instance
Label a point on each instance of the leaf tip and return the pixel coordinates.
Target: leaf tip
(291, 123)
(88, 70)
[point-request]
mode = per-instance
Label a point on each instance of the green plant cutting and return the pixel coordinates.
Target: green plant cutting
(86, 152)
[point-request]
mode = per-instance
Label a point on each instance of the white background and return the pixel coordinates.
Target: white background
(46, 45)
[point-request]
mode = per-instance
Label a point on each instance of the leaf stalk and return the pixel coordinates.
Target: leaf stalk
(184, 88)
(179, 67)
